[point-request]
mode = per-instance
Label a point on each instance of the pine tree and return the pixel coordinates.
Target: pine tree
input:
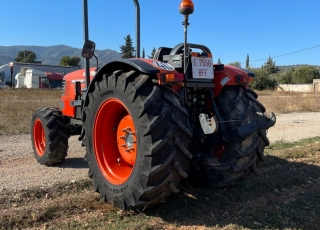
(247, 62)
(152, 53)
(270, 66)
(127, 50)
(143, 53)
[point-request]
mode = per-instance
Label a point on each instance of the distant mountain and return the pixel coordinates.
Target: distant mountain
(52, 54)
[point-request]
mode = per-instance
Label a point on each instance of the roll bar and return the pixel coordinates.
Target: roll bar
(136, 2)
(86, 34)
(178, 48)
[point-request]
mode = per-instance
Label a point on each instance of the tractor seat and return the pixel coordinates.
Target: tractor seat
(160, 52)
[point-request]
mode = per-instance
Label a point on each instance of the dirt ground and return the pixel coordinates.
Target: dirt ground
(295, 126)
(19, 169)
(284, 195)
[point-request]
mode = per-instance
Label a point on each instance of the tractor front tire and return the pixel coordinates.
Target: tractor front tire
(239, 107)
(136, 138)
(49, 136)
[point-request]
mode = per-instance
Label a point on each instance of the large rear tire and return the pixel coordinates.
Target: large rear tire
(136, 139)
(239, 107)
(49, 136)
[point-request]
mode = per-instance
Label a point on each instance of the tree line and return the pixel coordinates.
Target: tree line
(269, 76)
(28, 56)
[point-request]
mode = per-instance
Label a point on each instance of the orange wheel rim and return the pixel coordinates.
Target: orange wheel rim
(115, 142)
(39, 137)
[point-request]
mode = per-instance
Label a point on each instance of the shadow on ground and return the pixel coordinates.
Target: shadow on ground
(76, 163)
(283, 195)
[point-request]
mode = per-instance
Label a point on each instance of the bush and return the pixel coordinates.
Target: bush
(305, 75)
(263, 80)
(286, 77)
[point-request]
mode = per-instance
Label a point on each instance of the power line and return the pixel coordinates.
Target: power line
(285, 54)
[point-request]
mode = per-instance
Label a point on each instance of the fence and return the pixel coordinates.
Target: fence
(314, 87)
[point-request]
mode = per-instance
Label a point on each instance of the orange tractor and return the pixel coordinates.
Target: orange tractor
(149, 123)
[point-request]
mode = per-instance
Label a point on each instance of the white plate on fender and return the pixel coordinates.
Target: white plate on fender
(202, 68)
(163, 65)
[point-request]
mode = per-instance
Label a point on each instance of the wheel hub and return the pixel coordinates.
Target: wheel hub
(127, 140)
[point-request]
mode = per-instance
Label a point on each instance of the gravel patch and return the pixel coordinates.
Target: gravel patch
(295, 126)
(20, 170)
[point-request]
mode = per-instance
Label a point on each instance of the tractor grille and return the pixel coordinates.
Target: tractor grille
(63, 85)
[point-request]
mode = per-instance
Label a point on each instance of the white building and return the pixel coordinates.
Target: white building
(45, 68)
(37, 79)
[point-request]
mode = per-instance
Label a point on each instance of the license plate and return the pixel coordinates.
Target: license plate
(202, 67)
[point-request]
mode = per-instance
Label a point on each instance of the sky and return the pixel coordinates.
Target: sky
(287, 30)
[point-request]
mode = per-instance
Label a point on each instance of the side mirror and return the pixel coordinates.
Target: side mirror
(88, 49)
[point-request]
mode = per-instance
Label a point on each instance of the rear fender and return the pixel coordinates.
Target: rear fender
(147, 66)
(163, 72)
(230, 75)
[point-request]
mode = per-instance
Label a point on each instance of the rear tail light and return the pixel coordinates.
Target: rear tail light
(171, 78)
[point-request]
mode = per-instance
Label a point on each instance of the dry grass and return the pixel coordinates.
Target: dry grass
(17, 106)
(285, 195)
(287, 102)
